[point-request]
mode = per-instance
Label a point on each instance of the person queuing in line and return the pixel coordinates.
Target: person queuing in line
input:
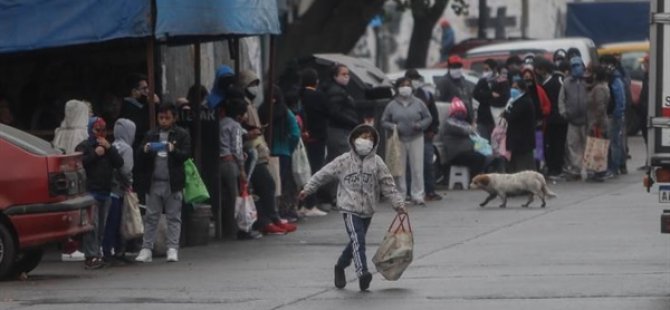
(342, 117)
(596, 79)
(572, 106)
(542, 106)
(100, 158)
(315, 135)
(162, 156)
(556, 126)
(422, 92)
(284, 139)
(112, 243)
(520, 116)
(484, 94)
(616, 109)
(453, 84)
(410, 117)
(362, 177)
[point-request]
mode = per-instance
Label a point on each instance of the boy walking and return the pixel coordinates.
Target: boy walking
(362, 175)
(163, 153)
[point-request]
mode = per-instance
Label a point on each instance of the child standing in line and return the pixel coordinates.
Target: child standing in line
(162, 154)
(362, 175)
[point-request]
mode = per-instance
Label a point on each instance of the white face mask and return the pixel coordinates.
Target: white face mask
(253, 90)
(456, 73)
(342, 80)
(487, 74)
(416, 84)
(405, 91)
(363, 147)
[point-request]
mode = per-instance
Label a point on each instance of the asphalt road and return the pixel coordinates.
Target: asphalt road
(596, 246)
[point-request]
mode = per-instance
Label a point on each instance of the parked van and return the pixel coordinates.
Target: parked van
(476, 56)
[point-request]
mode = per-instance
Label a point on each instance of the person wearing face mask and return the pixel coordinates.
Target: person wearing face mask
(453, 84)
(520, 117)
(599, 96)
(616, 108)
(410, 116)
(542, 107)
(362, 176)
(572, 106)
(556, 126)
(422, 91)
(484, 94)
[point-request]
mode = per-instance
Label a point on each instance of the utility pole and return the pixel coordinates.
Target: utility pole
(482, 21)
(524, 19)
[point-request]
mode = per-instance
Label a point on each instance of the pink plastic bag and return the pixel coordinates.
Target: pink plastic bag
(499, 140)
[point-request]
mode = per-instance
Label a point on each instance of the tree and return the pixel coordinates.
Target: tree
(426, 13)
(330, 26)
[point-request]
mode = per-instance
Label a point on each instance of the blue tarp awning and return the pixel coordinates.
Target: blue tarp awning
(36, 24)
(608, 22)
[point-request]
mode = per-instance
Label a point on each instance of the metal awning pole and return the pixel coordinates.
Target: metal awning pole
(197, 136)
(151, 45)
(270, 93)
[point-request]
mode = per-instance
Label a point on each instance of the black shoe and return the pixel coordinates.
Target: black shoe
(340, 277)
(364, 281)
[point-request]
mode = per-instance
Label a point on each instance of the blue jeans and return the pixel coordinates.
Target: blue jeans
(617, 151)
(357, 228)
(91, 240)
(112, 238)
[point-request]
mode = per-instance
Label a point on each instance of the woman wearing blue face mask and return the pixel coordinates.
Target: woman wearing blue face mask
(520, 116)
(410, 116)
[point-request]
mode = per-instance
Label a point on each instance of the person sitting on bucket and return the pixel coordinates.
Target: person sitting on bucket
(362, 175)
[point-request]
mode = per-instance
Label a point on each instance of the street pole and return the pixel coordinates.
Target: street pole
(482, 20)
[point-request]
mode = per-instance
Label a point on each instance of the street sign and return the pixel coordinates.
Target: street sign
(664, 194)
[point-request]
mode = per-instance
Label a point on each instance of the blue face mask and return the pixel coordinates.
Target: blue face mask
(577, 71)
(515, 93)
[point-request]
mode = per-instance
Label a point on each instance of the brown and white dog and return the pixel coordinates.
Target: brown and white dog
(528, 183)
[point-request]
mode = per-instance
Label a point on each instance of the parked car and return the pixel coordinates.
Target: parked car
(42, 199)
(475, 57)
(631, 55)
(430, 76)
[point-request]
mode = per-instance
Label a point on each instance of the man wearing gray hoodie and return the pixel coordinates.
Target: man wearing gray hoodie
(362, 176)
(124, 136)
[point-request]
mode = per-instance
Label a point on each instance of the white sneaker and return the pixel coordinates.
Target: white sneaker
(75, 256)
(172, 255)
(314, 212)
(145, 256)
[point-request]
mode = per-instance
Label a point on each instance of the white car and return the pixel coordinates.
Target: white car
(429, 77)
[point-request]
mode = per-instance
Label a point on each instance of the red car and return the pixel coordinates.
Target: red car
(43, 199)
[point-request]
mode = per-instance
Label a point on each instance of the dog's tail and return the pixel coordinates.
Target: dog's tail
(547, 192)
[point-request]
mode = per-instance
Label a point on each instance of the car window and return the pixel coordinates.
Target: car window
(26, 141)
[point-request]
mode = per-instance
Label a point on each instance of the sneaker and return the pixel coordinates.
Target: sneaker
(420, 203)
(272, 229)
(313, 212)
(172, 255)
(610, 175)
(364, 281)
(92, 263)
(241, 235)
(623, 170)
(75, 256)
(287, 227)
(144, 256)
(433, 197)
(340, 277)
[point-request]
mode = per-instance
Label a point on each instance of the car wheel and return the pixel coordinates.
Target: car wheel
(437, 167)
(633, 121)
(7, 251)
(27, 261)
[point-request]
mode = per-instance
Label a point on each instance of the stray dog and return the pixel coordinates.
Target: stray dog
(528, 183)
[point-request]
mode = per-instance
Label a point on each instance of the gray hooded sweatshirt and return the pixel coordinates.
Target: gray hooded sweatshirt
(124, 136)
(361, 180)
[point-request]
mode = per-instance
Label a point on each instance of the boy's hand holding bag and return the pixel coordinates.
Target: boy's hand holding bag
(395, 252)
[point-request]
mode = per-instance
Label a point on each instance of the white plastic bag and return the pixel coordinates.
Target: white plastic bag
(131, 218)
(245, 210)
(300, 165)
(394, 154)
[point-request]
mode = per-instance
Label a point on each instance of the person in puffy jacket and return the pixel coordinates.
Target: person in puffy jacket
(572, 106)
(362, 177)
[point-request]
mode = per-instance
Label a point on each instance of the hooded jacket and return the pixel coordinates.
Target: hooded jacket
(572, 101)
(361, 179)
(181, 140)
(124, 136)
(98, 168)
(245, 78)
(73, 128)
(406, 113)
(217, 94)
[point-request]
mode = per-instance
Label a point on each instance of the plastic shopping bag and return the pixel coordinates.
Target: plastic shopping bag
(245, 210)
(499, 140)
(131, 218)
(595, 154)
(395, 252)
(300, 165)
(394, 156)
(195, 190)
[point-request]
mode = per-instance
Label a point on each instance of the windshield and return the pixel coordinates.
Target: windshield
(27, 141)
